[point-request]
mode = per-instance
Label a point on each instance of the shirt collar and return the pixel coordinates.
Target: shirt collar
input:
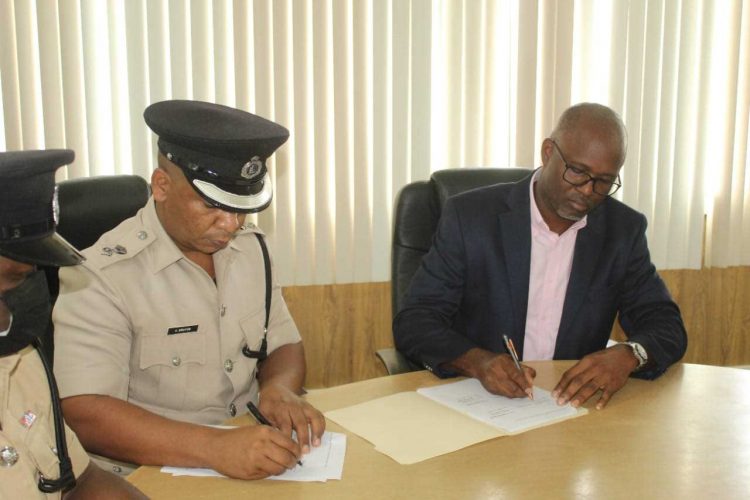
(164, 250)
(537, 221)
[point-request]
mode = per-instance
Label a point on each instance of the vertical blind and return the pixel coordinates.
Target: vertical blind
(379, 93)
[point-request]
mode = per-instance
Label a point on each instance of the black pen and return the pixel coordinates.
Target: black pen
(514, 355)
(262, 419)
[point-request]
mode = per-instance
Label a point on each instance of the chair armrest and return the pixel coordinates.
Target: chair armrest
(395, 362)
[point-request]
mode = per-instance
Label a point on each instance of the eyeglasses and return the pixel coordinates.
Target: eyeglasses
(579, 178)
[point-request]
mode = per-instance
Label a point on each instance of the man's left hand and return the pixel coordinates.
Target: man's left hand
(606, 370)
(287, 411)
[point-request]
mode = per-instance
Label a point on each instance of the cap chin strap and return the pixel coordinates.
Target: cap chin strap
(237, 201)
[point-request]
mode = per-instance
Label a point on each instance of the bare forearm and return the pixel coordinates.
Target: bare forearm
(285, 367)
(117, 429)
(281, 377)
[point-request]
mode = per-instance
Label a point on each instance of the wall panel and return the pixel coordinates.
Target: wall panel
(343, 325)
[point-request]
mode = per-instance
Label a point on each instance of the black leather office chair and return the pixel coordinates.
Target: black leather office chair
(418, 208)
(89, 207)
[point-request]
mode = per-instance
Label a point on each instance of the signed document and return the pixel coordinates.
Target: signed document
(324, 462)
(510, 415)
(414, 426)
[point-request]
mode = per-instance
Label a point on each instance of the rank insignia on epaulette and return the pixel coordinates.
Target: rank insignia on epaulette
(119, 250)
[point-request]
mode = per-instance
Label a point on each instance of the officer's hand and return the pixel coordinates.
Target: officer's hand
(605, 370)
(499, 375)
(253, 452)
(287, 411)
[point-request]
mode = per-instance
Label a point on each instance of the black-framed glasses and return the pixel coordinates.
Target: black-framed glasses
(579, 178)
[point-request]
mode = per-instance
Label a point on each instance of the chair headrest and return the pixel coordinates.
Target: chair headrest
(453, 181)
(91, 206)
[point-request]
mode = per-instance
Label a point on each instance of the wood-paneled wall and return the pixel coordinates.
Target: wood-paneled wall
(343, 325)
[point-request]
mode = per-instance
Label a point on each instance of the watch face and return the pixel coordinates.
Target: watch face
(639, 352)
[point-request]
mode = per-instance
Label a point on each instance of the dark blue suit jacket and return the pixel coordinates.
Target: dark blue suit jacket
(473, 284)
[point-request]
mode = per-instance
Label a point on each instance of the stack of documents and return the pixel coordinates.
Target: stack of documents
(414, 426)
(324, 462)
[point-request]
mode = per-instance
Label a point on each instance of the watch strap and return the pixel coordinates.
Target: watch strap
(639, 352)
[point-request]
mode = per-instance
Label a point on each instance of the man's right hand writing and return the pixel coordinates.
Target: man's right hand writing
(253, 452)
(497, 372)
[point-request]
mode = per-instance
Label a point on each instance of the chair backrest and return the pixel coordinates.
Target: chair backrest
(418, 208)
(91, 206)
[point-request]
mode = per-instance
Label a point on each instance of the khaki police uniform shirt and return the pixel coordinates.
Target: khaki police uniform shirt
(141, 322)
(28, 429)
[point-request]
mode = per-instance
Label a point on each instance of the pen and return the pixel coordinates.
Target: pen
(262, 419)
(514, 355)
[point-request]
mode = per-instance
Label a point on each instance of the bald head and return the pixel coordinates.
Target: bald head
(594, 118)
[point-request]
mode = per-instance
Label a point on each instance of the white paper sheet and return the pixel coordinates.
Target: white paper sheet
(512, 415)
(324, 462)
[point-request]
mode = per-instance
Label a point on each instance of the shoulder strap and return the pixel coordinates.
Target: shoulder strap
(267, 265)
(262, 353)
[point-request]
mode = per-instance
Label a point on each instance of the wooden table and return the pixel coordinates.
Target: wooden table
(685, 435)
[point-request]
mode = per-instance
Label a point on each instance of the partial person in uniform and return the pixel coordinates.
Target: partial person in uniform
(549, 261)
(175, 321)
(40, 457)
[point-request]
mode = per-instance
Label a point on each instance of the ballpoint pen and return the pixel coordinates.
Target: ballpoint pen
(514, 355)
(262, 419)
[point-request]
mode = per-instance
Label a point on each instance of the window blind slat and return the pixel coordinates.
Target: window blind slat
(379, 94)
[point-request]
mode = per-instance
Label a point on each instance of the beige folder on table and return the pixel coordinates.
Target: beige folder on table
(413, 426)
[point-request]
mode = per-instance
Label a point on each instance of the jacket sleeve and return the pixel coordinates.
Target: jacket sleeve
(422, 329)
(648, 315)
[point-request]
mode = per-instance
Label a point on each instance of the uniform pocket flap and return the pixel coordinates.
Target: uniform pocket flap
(173, 350)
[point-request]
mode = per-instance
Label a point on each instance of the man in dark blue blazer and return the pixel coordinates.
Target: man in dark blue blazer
(552, 275)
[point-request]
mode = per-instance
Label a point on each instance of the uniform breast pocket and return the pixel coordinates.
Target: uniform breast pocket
(40, 441)
(167, 363)
(252, 330)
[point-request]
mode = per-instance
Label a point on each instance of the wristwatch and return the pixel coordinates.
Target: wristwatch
(639, 352)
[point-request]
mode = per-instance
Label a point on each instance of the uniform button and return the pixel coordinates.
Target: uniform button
(142, 235)
(223, 310)
(232, 409)
(8, 456)
(228, 366)
(176, 361)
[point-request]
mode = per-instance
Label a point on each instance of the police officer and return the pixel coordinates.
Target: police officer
(175, 318)
(39, 456)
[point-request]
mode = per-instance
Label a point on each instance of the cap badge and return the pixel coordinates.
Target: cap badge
(251, 168)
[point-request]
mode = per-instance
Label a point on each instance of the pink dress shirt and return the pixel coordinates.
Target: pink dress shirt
(551, 261)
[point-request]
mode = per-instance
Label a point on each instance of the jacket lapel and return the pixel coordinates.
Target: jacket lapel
(588, 248)
(515, 229)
